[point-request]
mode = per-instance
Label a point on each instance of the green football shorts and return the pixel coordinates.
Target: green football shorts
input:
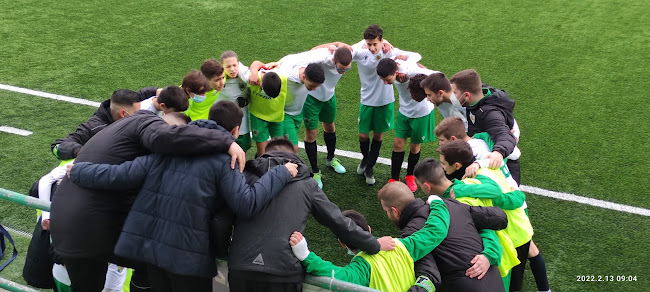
(262, 129)
(316, 110)
(291, 126)
(420, 130)
(244, 141)
(377, 119)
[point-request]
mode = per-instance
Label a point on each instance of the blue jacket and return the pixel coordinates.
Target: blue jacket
(169, 223)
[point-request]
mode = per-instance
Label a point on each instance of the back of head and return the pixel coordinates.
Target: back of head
(457, 151)
(415, 87)
(467, 81)
(386, 67)
(396, 194)
(271, 84)
(174, 97)
(343, 56)
(176, 118)
(373, 32)
(211, 68)
(228, 54)
(314, 72)
(430, 171)
(195, 82)
(358, 219)
(226, 114)
(279, 144)
(436, 81)
(124, 98)
(451, 126)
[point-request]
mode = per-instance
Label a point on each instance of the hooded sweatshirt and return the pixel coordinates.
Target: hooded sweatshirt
(260, 247)
(493, 114)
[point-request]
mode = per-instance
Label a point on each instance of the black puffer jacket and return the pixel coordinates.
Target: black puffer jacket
(260, 245)
(169, 223)
(493, 114)
(453, 256)
(68, 147)
(86, 223)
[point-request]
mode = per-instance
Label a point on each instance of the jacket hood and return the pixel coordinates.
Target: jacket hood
(262, 164)
(411, 210)
(498, 98)
(208, 124)
(104, 111)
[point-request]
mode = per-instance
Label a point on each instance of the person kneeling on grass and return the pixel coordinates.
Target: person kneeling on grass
(385, 271)
(168, 227)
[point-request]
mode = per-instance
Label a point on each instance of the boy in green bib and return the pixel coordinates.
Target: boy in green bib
(451, 129)
(196, 87)
(386, 270)
(458, 153)
(479, 191)
(267, 101)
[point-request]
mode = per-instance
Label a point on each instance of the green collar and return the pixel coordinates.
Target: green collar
(448, 190)
(486, 92)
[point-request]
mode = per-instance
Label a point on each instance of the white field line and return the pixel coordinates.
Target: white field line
(49, 95)
(524, 188)
(12, 130)
(386, 161)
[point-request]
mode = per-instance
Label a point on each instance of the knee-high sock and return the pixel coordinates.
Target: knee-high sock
(413, 160)
(373, 154)
(364, 146)
(538, 267)
(396, 164)
(330, 142)
(312, 155)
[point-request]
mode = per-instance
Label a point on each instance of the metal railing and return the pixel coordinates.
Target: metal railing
(15, 287)
(24, 200)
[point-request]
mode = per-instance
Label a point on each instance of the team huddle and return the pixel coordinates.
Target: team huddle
(157, 181)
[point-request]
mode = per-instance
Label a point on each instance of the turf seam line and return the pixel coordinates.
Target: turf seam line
(382, 160)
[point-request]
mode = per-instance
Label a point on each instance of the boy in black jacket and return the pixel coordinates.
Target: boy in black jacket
(123, 103)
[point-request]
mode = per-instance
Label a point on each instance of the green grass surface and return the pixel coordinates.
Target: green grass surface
(576, 69)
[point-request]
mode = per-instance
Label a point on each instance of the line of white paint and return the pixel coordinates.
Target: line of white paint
(49, 95)
(524, 188)
(16, 131)
(386, 161)
(586, 201)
